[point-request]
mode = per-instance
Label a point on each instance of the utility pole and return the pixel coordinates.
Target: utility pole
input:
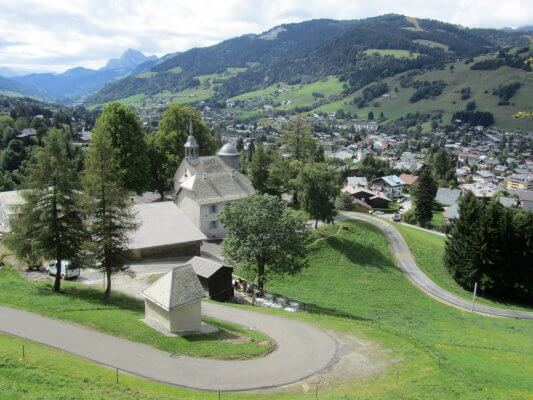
(474, 297)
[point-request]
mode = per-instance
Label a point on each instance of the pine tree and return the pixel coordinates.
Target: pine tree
(463, 245)
(111, 218)
(51, 220)
(424, 195)
(258, 170)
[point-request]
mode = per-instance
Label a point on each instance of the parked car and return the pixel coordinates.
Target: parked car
(68, 271)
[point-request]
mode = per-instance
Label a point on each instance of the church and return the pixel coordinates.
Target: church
(204, 185)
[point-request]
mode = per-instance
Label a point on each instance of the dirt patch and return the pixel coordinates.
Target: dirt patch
(356, 359)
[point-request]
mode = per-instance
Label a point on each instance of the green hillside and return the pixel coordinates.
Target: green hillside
(481, 83)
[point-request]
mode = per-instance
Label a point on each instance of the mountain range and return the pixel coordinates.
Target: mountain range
(323, 65)
(312, 50)
(75, 82)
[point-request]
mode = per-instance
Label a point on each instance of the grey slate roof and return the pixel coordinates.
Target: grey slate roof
(218, 187)
(176, 288)
(228, 149)
(447, 196)
(191, 142)
(452, 212)
(162, 224)
(507, 201)
(357, 181)
(205, 267)
(27, 132)
(205, 165)
(391, 180)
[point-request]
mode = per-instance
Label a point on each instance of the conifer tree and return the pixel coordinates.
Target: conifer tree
(111, 217)
(463, 244)
(424, 195)
(258, 170)
(51, 218)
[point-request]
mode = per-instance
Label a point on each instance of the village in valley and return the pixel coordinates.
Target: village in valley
(308, 220)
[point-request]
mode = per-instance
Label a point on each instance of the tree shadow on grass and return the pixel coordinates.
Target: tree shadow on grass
(94, 297)
(357, 253)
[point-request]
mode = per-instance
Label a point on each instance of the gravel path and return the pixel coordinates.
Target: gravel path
(407, 263)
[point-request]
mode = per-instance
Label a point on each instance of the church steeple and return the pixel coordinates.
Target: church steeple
(191, 146)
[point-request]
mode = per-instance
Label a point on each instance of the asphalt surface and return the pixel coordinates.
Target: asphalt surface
(407, 263)
(302, 350)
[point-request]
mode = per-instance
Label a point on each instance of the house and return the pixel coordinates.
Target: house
(483, 176)
(519, 182)
(462, 174)
(10, 203)
(447, 196)
(480, 190)
(359, 193)
(215, 277)
(25, 133)
(525, 199)
(164, 230)
(392, 185)
(367, 196)
(173, 302)
(408, 179)
(360, 181)
(451, 212)
(379, 201)
(203, 186)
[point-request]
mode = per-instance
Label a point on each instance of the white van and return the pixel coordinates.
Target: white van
(68, 271)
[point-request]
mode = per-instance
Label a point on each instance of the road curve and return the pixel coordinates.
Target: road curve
(302, 350)
(407, 263)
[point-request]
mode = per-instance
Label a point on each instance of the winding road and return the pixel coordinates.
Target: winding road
(406, 262)
(302, 350)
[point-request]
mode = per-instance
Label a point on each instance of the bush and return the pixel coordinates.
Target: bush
(410, 217)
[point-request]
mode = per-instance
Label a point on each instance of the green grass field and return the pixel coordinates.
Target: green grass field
(392, 52)
(481, 84)
(428, 251)
(121, 316)
(298, 95)
(433, 351)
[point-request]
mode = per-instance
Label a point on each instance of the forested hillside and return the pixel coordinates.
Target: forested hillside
(312, 50)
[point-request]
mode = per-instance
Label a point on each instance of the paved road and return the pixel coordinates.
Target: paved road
(302, 350)
(414, 273)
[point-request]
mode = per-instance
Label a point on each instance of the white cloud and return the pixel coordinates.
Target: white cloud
(53, 36)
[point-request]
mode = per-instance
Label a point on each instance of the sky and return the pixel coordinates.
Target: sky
(52, 36)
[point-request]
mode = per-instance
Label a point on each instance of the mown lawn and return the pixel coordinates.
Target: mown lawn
(121, 316)
(428, 251)
(434, 351)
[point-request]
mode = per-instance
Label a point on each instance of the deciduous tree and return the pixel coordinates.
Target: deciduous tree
(263, 231)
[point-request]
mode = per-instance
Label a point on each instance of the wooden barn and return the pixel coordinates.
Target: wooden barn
(215, 277)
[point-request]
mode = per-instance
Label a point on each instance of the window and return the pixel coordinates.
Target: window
(213, 208)
(213, 224)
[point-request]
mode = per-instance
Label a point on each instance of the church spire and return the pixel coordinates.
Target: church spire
(191, 146)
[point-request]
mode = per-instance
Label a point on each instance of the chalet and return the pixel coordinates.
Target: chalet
(447, 196)
(408, 179)
(360, 181)
(519, 182)
(391, 185)
(10, 203)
